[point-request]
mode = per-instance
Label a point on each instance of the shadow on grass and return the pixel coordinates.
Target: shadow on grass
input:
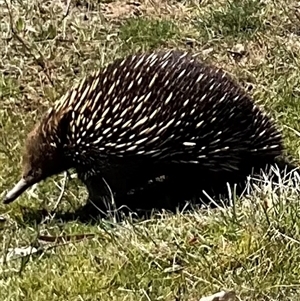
(143, 204)
(172, 195)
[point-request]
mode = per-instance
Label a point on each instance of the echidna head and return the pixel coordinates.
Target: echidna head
(40, 160)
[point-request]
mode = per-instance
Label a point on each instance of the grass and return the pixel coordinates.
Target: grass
(142, 33)
(233, 19)
(250, 248)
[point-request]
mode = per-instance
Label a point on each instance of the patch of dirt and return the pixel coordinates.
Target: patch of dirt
(121, 9)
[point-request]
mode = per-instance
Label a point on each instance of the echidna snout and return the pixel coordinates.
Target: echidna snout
(148, 115)
(40, 160)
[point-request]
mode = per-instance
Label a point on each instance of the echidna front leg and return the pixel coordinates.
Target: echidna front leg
(107, 191)
(99, 198)
(116, 181)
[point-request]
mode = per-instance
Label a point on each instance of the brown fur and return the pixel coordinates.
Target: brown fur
(40, 159)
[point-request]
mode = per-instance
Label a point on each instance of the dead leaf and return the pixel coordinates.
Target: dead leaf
(221, 296)
(64, 238)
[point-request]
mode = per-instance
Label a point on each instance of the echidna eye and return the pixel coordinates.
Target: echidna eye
(28, 174)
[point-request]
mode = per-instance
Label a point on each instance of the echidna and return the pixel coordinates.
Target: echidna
(146, 115)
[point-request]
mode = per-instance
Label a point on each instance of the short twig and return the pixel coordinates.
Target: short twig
(62, 191)
(51, 216)
(67, 10)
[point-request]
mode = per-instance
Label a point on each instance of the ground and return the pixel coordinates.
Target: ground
(251, 248)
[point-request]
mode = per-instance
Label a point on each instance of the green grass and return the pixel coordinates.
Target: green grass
(144, 34)
(234, 18)
(248, 248)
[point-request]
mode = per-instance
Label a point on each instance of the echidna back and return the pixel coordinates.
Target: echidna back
(166, 108)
